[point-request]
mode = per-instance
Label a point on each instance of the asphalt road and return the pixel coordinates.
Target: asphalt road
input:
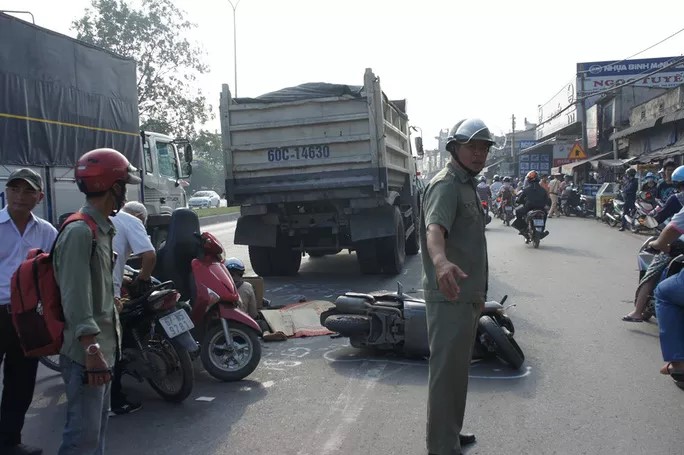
(590, 384)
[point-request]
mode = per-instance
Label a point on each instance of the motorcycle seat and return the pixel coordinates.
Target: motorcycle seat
(174, 259)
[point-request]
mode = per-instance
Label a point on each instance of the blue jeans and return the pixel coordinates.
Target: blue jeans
(670, 312)
(87, 412)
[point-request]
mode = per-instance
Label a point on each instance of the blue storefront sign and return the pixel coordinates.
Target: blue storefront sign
(540, 162)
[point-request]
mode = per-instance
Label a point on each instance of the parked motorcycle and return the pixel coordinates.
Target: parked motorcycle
(396, 322)
(574, 203)
(230, 347)
(156, 343)
(642, 218)
(536, 227)
(612, 211)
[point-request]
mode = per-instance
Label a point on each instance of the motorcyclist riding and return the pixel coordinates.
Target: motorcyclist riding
(496, 185)
(483, 191)
(533, 197)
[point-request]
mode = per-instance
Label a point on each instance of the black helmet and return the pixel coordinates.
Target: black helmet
(472, 129)
(497, 177)
(631, 171)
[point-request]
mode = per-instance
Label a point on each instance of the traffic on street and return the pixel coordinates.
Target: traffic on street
(590, 382)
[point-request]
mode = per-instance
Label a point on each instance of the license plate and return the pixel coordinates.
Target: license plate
(302, 153)
(509, 208)
(176, 323)
(539, 229)
(538, 222)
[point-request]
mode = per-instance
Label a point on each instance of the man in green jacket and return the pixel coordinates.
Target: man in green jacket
(83, 268)
(454, 253)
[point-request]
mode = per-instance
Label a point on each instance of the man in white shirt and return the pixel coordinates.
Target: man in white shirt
(130, 239)
(20, 231)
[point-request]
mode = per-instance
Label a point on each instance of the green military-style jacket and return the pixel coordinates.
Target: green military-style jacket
(450, 200)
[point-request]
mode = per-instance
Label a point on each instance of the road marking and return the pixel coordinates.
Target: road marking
(346, 408)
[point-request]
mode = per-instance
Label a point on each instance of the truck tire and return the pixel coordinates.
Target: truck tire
(260, 258)
(367, 256)
(413, 240)
(287, 261)
(392, 251)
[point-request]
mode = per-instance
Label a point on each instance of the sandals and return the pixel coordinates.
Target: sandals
(677, 375)
(629, 318)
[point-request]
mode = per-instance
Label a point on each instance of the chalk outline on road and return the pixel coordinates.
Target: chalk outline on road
(326, 356)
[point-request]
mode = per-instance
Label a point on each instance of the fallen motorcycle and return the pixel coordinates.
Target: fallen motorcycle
(397, 322)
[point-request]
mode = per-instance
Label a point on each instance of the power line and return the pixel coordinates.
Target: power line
(640, 52)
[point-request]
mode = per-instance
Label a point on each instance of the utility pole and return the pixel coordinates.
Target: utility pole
(512, 170)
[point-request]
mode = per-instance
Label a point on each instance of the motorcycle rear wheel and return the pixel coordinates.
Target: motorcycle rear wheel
(507, 348)
(178, 362)
(51, 361)
(214, 356)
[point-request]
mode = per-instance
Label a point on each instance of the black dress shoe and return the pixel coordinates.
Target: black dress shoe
(466, 439)
(22, 449)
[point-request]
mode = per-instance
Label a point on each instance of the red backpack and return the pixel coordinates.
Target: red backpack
(35, 299)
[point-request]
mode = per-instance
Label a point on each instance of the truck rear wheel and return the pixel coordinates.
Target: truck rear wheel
(392, 249)
(413, 240)
(367, 256)
(260, 258)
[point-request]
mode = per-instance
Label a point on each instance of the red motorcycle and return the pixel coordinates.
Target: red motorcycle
(230, 347)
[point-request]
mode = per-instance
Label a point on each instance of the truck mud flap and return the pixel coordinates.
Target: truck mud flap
(255, 230)
(372, 224)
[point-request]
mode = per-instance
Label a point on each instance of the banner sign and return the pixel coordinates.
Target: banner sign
(600, 76)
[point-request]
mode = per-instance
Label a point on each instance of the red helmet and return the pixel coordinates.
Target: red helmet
(98, 170)
(532, 176)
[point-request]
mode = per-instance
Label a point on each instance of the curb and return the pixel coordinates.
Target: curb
(216, 219)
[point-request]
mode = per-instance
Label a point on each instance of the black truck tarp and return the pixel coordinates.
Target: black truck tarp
(310, 90)
(60, 97)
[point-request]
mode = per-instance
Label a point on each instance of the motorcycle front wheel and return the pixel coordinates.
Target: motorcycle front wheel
(506, 347)
(51, 361)
(235, 362)
(176, 378)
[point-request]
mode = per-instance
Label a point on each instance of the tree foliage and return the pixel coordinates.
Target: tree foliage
(208, 167)
(167, 62)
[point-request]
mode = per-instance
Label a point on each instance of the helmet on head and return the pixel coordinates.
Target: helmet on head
(650, 176)
(507, 179)
(678, 175)
(235, 264)
(631, 171)
(97, 171)
(483, 179)
(497, 177)
(532, 176)
(472, 129)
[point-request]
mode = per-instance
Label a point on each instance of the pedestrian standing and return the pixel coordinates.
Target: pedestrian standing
(130, 238)
(455, 269)
(20, 231)
(544, 183)
(84, 265)
(554, 189)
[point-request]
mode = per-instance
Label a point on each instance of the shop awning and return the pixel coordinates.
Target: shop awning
(635, 128)
(671, 150)
(537, 145)
(567, 168)
(673, 117)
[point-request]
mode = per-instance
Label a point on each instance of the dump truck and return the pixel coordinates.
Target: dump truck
(320, 168)
(62, 97)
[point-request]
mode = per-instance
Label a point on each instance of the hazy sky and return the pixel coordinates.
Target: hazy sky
(449, 59)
